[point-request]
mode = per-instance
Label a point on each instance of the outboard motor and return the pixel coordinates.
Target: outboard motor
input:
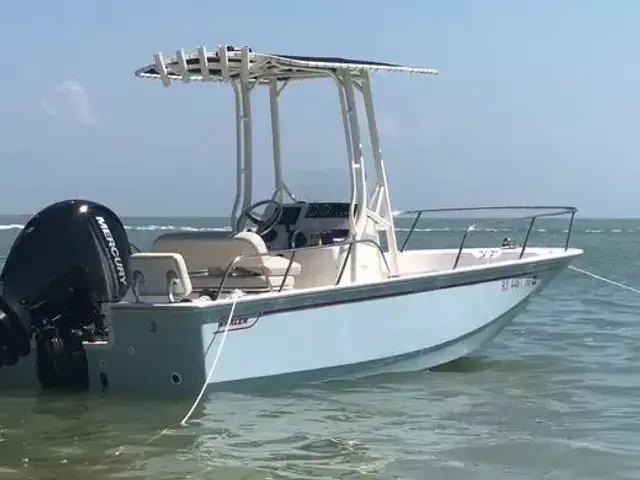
(69, 259)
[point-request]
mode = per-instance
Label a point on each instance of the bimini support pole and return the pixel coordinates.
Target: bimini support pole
(387, 214)
(237, 95)
(239, 153)
(245, 91)
(275, 140)
(356, 164)
(348, 141)
(356, 160)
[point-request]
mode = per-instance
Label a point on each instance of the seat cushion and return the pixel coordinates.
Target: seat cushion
(201, 253)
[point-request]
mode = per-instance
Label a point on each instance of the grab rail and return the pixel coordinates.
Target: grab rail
(232, 265)
(556, 211)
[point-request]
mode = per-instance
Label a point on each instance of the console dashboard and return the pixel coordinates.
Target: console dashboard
(310, 223)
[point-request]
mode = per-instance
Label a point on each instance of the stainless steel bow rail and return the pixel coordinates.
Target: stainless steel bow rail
(293, 251)
(547, 212)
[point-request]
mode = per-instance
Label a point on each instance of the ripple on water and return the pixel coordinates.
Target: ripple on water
(555, 396)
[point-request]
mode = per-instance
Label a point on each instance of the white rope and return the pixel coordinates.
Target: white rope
(606, 280)
(235, 296)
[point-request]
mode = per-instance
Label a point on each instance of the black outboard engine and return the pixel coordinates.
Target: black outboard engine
(69, 259)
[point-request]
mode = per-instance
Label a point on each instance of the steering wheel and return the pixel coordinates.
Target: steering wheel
(263, 226)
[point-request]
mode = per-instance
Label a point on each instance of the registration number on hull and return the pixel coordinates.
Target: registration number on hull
(517, 283)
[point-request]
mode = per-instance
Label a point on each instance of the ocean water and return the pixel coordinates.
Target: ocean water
(555, 396)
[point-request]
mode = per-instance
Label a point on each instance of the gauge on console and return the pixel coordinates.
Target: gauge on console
(325, 210)
(312, 211)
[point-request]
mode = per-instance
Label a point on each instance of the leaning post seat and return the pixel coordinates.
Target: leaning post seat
(159, 277)
(207, 257)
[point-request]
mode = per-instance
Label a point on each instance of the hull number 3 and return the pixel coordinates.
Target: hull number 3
(509, 284)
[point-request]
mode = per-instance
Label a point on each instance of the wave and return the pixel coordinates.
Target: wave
(588, 231)
(188, 228)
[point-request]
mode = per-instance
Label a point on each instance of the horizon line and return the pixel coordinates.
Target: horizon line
(408, 217)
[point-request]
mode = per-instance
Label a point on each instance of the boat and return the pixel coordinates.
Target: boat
(297, 291)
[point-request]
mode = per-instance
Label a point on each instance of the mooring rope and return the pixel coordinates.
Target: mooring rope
(606, 280)
(235, 296)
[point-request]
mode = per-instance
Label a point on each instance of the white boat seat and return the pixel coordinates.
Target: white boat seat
(208, 258)
(160, 277)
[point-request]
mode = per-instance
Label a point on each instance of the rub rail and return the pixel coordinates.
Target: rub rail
(293, 251)
(547, 212)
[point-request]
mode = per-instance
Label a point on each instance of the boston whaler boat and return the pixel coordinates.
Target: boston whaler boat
(304, 291)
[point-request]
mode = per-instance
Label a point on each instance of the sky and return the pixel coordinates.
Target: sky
(536, 103)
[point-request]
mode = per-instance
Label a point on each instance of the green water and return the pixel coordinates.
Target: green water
(555, 396)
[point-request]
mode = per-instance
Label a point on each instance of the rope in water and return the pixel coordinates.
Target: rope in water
(235, 296)
(606, 280)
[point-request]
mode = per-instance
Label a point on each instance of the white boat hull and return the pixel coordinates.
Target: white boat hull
(169, 352)
(322, 297)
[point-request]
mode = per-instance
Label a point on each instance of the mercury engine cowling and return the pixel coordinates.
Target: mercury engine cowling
(69, 259)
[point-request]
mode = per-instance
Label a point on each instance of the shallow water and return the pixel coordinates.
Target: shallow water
(555, 396)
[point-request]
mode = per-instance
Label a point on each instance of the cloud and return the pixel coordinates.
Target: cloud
(70, 100)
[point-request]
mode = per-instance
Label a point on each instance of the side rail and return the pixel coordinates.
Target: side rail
(542, 212)
(293, 251)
